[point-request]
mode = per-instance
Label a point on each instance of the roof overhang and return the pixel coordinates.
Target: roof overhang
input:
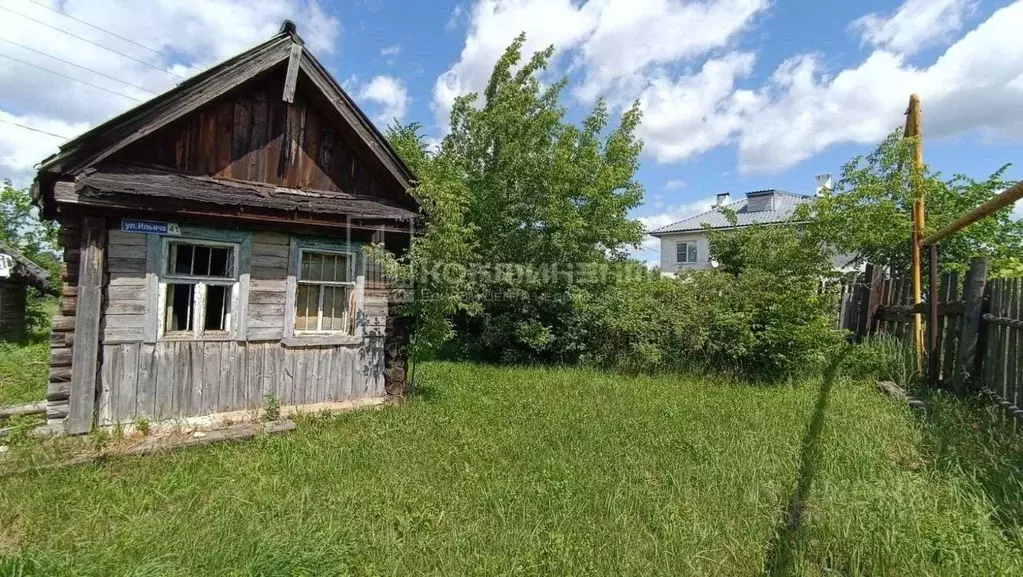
(133, 188)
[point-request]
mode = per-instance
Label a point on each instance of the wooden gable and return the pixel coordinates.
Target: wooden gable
(271, 115)
(252, 134)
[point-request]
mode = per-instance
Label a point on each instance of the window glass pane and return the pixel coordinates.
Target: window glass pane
(180, 302)
(218, 305)
(181, 255)
(680, 252)
(201, 263)
(344, 268)
(329, 267)
(692, 251)
(312, 266)
(307, 302)
(335, 314)
(221, 262)
(200, 260)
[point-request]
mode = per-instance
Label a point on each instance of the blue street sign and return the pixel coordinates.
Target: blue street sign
(150, 227)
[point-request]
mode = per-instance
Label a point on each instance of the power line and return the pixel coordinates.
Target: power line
(34, 129)
(79, 66)
(90, 25)
(70, 77)
(153, 66)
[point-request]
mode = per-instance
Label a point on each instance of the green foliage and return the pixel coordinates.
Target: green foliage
(883, 357)
(24, 371)
(542, 193)
(271, 407)
(446, 240)
(773, 315)
(22, 229)
(142, 425)
(869, 213)
(547, 471)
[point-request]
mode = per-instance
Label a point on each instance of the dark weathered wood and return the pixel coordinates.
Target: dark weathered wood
(870, 300)
(291, 76)
(1011, 307)
(951, 328)
(87, 325)
(21, 410)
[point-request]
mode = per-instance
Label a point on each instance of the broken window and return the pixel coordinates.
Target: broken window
(199, 282)
(325, 295)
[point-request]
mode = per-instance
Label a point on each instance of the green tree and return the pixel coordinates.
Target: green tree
(772, 318)
(542, 192)
(445, 239)
(869, 213)
(22, 229)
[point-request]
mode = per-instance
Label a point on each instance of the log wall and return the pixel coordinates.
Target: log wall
(13, 300)
(62, 335)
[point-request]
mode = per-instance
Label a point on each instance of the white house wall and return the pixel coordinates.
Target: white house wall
(668, 242)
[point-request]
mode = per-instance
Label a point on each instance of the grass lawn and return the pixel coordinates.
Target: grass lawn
(24, 371)
(498, 471)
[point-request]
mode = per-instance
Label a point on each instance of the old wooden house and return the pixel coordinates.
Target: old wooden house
(213, 248)
(17, 274)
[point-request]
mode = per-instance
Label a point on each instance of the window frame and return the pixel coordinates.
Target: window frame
(201, 284)
(688, 243)
(300, 245)
(319, 309)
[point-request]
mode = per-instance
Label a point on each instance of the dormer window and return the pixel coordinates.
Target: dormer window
(760, 201)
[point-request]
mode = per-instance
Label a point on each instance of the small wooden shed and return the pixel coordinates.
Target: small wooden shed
(213, 240)
(17, 274)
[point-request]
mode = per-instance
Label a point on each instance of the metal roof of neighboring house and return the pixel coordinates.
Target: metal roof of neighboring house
(785, 204)
(30, 271)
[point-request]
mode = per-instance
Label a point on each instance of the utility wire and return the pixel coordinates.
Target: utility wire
(34, 129)
(70, 77)
(153, 66)
(79, 66)
(90, 25)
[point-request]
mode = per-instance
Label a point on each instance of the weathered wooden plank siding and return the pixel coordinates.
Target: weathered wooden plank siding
(177, 379)
(254, 135)
(268, 285)
(124, 308)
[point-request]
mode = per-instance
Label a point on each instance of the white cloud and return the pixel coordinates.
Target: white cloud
(21, 149)
(391, 50)
(915, 25)
(694, 113)
(196, 33)
(674, 185)
(493, 24)
(977, 84)
(621, 47)
(390, 94)
(634, 36)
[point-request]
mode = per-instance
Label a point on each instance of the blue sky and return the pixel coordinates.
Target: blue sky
(738, 95)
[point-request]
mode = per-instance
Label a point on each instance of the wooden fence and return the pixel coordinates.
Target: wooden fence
(979, 333)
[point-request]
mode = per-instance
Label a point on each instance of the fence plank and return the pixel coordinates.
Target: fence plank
(950, 324)
(969, 327)
(868, 305)
(1011, 341)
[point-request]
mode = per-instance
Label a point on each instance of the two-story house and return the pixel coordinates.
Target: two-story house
(684, 244)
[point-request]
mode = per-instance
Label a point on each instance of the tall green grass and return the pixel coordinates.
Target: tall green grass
(24, 371)
(494, 471)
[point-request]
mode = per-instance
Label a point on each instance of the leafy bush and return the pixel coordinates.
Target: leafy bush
(883, 357)
(773, 317)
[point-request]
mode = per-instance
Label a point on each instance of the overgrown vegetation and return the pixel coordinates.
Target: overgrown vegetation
(869, 213)
(24, 371)
(547, 471)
